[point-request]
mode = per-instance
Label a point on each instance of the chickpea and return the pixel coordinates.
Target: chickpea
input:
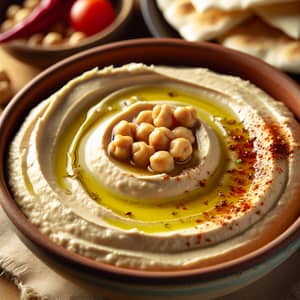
(186, 116)
(36, 39)
(3, 76)
(52, 38)
(5, 87)
(125, 128)
(143, 131)
(160, 138)
(7, 24)
(121, 147)
(181, 149)
(184, 133)
(76, 37)
(22, 14)
(162, 115)
(141, 153)
(144, 117)
(12, 10)
(31, 3)
(162, 161)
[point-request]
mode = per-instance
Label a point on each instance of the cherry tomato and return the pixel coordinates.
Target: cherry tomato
(91, 16)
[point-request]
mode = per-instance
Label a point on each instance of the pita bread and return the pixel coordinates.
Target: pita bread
(259, 39)
(202, 5)
(284, 16)
(197, 26)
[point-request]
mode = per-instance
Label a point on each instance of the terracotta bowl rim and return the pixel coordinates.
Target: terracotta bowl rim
(126, 8)
(290, 235)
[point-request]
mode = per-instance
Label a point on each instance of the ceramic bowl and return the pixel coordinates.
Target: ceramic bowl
(118, 283)
(155, 21)
(45, 56)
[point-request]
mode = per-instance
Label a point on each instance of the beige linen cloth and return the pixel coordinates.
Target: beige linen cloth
(36, 281)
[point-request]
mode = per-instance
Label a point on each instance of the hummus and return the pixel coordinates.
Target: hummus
(238, 192)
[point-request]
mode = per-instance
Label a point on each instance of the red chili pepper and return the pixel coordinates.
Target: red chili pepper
(40, 19)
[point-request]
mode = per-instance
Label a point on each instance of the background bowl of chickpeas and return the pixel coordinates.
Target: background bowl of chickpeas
(84, 24)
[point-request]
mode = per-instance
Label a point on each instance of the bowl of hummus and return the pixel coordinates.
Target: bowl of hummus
(156, 168)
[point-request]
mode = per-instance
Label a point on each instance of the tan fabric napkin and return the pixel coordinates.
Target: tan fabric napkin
(32, 276)
(36, 281)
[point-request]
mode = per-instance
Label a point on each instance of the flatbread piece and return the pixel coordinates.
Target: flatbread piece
(272, 45)
(202, 5)
(284, 16)
(198, 26)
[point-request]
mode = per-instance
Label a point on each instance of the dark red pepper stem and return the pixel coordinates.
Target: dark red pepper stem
(41, 18)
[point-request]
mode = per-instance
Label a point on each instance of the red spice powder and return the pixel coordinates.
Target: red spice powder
(202, 183)
(280, 148)
(198, 239)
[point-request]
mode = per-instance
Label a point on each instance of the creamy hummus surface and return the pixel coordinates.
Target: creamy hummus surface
(234, 188)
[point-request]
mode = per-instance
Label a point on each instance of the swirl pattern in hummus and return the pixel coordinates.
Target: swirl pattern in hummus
(242, 181)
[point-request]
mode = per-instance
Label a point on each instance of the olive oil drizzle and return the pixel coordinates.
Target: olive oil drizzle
(185, 211)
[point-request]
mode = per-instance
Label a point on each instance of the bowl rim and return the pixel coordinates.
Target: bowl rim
(126, 8)
(124, 274)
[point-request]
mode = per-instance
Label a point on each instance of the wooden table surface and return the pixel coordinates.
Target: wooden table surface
(276, 283)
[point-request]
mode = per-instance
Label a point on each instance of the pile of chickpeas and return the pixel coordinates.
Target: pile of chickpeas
(156, 139)
(57, 34)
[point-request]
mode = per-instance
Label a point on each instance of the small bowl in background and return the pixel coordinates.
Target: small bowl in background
(45, 56)
(155, 21)
(120, 283)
